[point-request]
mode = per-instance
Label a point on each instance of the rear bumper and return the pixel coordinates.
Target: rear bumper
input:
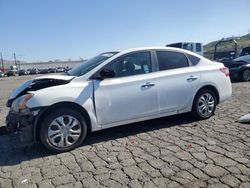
(225, 90)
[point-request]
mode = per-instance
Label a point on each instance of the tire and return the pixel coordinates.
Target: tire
(245, 75)
(207, 99)
(63, 130)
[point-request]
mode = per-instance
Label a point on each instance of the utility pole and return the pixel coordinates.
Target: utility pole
(15, 59)
(2, 61)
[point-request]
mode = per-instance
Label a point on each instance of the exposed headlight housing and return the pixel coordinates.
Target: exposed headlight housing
(19, 105)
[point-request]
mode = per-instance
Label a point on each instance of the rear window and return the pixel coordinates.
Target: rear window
(193, 59)
(171, 60)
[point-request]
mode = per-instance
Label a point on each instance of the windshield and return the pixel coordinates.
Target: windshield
(90, 64)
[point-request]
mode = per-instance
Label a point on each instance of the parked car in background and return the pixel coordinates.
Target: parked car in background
(22, 72)
(43, 71)
(33, 71)
(239, 65)
(67, 69)
(1, 74)
(11, 73)
(239, 68)
(28, 71)
(116, 88)
(60, 69)
(52, 70)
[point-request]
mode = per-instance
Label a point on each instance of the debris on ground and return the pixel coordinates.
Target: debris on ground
(132, 140)
(23, 181)
(245, 118)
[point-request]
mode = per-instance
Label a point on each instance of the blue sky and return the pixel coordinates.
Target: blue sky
(41, 30)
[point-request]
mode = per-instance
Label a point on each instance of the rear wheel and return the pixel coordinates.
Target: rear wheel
(63, 130)
(246, 75)
(204, 104)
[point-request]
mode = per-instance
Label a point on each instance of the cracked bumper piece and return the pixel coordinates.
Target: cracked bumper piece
(22, 125)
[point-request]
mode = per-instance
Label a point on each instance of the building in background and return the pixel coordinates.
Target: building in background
(42, 65)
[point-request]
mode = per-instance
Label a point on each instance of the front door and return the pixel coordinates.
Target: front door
(132, 93)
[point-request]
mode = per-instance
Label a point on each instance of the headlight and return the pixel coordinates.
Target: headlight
(19, 105)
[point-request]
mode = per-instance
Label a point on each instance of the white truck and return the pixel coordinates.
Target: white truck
(195, 47)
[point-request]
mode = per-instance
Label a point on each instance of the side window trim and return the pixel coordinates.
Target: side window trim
(154, 61)
(189, 61)
(191, 64)
(135, 52)
(157, 62)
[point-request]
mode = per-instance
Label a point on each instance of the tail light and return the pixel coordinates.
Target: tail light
(225, 70)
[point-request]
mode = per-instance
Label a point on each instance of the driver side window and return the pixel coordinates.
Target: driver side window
(131, 64)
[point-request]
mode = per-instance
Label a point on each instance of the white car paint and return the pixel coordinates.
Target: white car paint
(175, 91)
(19, 89)
(117, 101)
(26, 84)
(59, 77)
(125, 96)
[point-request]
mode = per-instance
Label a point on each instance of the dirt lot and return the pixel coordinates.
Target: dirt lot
(168, 152)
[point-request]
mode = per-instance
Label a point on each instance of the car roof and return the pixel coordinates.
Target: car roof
(124, 51)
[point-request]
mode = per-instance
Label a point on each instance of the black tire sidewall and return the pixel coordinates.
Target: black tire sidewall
(195, 110)
(242, 75)
(51, 116)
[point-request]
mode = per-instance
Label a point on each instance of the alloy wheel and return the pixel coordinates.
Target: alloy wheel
(246, 75)
(64, 131)
(206, 104)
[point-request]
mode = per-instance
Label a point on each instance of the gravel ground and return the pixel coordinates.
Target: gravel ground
(174, 151)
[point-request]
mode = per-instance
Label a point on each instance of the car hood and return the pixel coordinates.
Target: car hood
(245, 58)
(58, 77)
(38, 83)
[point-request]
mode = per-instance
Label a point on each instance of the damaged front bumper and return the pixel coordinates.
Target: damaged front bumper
(22, 125)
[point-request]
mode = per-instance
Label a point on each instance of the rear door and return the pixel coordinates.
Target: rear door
(178, 81)
(131, 94)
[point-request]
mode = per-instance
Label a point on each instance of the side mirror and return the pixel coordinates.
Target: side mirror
(106, 73)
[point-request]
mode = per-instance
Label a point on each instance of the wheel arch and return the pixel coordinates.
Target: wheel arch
(244, 68)
(213, 89)
(46, 111)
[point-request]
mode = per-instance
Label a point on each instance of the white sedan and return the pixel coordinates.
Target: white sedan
(116, 88)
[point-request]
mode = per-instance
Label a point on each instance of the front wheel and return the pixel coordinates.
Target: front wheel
(204, 104)
(63, 130)
(246, 75)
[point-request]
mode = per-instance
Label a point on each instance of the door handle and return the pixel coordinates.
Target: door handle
(192, 78)
(147, 85)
